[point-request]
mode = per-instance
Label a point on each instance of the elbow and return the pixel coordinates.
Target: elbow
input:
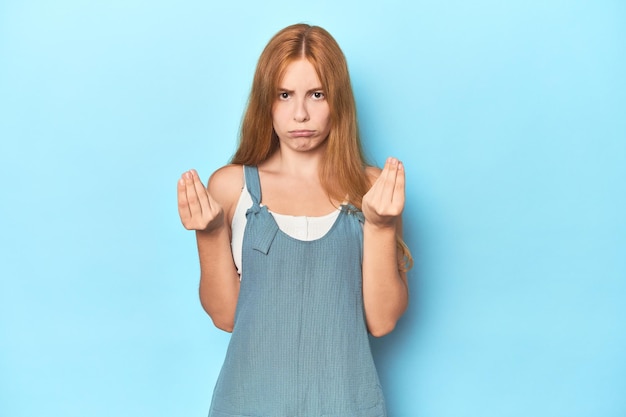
(381, 323)
(222, 320)
(382, 329)
(224, 325)
(221, 309)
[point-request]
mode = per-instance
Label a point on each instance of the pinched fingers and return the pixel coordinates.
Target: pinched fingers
(193, 199)
(194, 205)
(388, 190)
(384, 202)
(388, 185)
(201, 193)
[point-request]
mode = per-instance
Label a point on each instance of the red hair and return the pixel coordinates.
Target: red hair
(342, 171)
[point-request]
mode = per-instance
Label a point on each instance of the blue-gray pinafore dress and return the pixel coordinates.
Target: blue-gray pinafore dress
(299, 347)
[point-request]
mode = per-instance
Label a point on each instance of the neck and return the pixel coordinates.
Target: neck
(296, 164)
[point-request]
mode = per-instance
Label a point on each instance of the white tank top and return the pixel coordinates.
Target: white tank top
(298, 227)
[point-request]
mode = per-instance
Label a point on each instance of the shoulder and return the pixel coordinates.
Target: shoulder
(228, 175)
(225, 185)
(371, 174)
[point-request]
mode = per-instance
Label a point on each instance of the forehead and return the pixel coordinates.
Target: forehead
(299, 73)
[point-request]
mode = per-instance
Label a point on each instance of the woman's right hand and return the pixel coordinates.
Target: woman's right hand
(197, 209)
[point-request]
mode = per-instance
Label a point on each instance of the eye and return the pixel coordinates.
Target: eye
(318, 95)
(283, 95)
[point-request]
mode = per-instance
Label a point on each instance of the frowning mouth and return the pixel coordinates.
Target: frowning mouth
(301, 133)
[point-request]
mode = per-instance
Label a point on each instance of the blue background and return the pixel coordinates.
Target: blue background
(509, 116)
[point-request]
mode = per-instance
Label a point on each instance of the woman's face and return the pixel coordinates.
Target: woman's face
(300, 113)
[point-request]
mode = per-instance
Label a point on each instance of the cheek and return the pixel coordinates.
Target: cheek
(321, 112)
(326, 117)
(277, 116)
(282, 111)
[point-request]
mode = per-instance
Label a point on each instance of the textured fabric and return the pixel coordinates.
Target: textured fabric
(300, 227)
(299, 347)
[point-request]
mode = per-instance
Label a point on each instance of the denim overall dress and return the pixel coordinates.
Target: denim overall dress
(299, 346)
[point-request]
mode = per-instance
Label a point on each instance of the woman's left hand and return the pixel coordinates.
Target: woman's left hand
(383, 204)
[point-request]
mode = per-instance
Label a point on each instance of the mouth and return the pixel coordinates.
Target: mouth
(302, 133)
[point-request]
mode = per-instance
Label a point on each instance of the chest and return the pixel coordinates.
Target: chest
(295, 197)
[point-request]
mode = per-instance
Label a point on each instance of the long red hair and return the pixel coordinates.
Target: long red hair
(342, 171)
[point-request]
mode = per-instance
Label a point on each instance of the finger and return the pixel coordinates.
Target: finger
(192, 195)
(391, 168)
(398, 192)
(183, 203)
(201, 192)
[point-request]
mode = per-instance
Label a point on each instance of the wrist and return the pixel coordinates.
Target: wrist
(211, 231)
(386, 228)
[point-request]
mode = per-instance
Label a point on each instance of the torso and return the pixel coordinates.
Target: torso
(299, 346)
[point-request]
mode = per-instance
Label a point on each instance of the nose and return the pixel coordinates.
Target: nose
(300, 113)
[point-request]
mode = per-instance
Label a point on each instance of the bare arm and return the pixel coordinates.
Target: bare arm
(209, 212)
(385, 288)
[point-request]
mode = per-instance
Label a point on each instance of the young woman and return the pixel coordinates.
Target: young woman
(299, 242)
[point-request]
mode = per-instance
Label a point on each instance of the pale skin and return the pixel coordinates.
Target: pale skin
(290, 184)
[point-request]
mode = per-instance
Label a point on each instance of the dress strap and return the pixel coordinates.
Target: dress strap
(253, 183)
(266, 228)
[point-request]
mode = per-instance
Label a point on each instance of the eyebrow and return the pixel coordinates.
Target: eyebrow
(286, 90)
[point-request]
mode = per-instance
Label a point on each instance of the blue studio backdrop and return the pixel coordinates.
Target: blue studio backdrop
(510, 118)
